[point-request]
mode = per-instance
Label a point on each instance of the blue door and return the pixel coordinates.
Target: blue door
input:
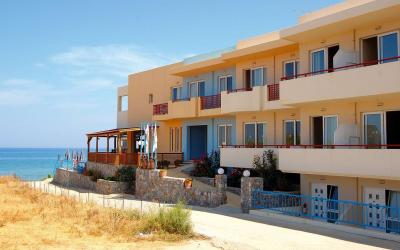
(197, 141)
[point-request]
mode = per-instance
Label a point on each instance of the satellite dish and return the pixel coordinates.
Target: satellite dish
(220, 171)
(246, 173)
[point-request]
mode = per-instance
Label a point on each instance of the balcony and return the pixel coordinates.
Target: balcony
(113, 158)
(349, 82)
(182, 108)
(243, 100)
(210, 105)
(365, 161)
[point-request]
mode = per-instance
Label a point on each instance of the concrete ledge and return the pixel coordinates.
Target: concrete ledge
(326, 225)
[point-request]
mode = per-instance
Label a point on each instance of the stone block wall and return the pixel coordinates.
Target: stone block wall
(107, 170)
(149, 186)
(248, 185)
(70, 178)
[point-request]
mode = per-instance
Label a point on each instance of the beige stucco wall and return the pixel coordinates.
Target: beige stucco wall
(347, 185)
(157, 82)
(164, 139)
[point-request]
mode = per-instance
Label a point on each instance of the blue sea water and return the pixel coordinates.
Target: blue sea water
(31, 163)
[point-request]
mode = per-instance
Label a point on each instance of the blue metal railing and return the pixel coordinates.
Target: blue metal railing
(375, 216)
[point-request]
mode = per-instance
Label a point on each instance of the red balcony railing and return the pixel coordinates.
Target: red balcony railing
(369, 63)
(210, 102)
(273, 92)
(160, 109)
(240, 90)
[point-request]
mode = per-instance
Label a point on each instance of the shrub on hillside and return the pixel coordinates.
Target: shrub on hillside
(126, 174)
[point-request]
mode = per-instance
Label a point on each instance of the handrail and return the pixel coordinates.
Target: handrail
(329, 146)
(358, 65)
(210, 102)
(160, 109)
(273, 91)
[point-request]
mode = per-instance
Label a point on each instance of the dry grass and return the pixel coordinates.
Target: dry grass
(31, 219)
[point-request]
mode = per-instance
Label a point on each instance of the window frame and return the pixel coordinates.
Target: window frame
(296, 70)
(378, 40)
(262, 76)
(197, 83)
(255, 132)
(226, 82)
(226, 134)
(383, 126)
(294, 121)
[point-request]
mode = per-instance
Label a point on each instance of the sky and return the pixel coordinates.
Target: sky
(62, 61)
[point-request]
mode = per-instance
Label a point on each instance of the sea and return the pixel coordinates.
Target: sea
(32, 163)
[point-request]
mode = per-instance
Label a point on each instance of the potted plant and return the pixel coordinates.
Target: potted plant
(162, 172)
(188, 183)
(151, 164)
(177, 163)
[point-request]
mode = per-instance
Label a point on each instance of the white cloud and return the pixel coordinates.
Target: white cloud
(109, 60)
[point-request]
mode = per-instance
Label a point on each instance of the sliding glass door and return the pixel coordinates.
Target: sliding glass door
(330, 126)
(255, 134)
(292, 132)
(373, 128)
(389, 47)
(318, 61)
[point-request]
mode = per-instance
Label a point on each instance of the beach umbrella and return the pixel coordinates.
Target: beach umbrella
(67, 154)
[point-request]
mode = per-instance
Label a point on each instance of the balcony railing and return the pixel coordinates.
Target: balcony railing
(330, 210)
(113, 158)
(160, 109)
(273, 92)
(326, 146)
(364, 64)
(210, 102)
(240, 90)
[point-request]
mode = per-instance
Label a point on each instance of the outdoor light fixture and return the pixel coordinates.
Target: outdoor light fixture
(246, 173)
(220, 171)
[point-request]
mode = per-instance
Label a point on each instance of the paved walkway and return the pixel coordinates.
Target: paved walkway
(230, 229)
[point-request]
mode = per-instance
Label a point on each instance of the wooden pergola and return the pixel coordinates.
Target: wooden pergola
(123, 148)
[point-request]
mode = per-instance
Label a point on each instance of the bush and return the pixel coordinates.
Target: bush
(177, 163)
(126, 174)
(274, 179)
(175, 220)
(111, 178)
(163, 164)
(207, 166)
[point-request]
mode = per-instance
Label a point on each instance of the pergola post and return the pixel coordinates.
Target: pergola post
(108, 147)
(97, 147)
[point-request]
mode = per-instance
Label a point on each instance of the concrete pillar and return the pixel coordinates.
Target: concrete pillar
(220, 184)
(248, 185)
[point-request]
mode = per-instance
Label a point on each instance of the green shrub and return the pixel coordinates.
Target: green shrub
(175, 220)
(126, 174)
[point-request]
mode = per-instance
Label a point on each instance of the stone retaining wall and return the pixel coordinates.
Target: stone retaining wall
(107, 170)
(70, 178)
(149, 186)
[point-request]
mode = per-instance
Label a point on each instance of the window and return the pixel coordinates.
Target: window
(255, 134)
(291, 69)
(380, 47)
(224, 135)
(330, 126)
(257, 77)
(171, 139)
(123, 103)
(177, 139)
(292, 132)
(197, 89)
(225, 83)
(176, 93)
(322, 59)
(150, 98)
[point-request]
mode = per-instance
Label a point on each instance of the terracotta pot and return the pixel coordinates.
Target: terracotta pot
(151, 164)
(163, 173)
(188, 183)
